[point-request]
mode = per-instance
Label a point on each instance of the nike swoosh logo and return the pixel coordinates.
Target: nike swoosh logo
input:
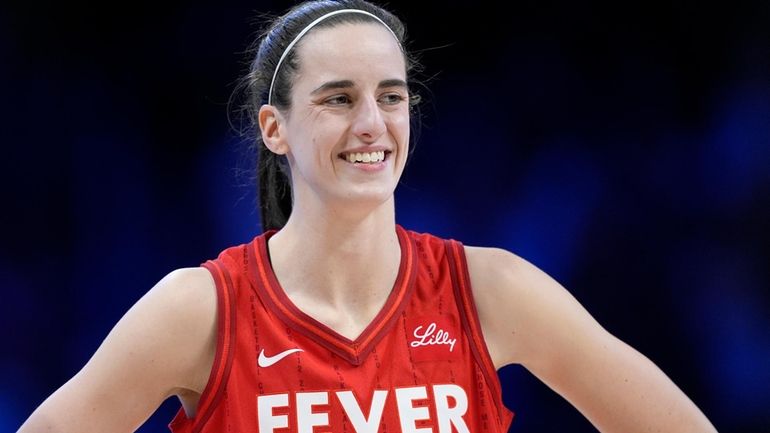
(267, 361)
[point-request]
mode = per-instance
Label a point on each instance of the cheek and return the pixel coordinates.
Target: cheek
(399, 126)
(327, 128)
(316, 139)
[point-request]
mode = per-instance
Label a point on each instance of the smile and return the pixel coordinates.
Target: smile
(365, 157)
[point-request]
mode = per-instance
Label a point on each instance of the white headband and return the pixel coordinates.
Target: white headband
(306, 29)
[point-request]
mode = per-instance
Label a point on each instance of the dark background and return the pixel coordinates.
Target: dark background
(625, 150)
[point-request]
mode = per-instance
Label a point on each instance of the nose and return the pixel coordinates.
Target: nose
(368, 122)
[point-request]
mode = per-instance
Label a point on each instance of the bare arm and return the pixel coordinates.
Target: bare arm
(529, 318)
(164, 345)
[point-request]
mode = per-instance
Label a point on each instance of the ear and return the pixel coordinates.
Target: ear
(271, 124)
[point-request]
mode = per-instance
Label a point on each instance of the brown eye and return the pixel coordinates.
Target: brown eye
(391, 99)
(337, 100)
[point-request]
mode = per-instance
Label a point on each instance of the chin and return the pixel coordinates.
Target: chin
(366, 197)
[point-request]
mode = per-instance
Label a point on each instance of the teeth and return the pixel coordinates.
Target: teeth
(370, 157)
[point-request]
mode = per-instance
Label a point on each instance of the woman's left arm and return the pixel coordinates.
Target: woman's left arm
(529, 318)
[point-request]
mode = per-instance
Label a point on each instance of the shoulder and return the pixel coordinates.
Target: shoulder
(496, 272)
(166, 340)
(496, 277)
(495, 263)
(183, 300)
(164, 344)
(523, 311)
(184, 305)
(189, 290)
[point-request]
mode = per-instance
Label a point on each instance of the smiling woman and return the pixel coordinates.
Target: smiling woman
(336, 317)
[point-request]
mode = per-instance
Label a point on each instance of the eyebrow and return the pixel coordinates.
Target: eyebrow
(347, 84)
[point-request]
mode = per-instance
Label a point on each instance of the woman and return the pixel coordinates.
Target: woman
(336, 317)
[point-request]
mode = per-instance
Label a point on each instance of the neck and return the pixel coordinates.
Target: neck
(346, 260)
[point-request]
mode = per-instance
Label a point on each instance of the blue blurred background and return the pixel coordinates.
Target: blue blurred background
(624, 149)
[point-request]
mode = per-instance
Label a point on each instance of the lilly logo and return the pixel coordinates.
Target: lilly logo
(431, 336)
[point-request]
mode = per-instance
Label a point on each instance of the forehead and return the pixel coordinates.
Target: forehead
(361, 52)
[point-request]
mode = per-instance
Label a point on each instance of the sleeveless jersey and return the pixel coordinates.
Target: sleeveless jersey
(421, 366)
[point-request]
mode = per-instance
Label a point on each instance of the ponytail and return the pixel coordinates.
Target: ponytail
(274, 189)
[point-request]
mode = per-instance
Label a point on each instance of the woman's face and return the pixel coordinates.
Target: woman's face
(348, 129)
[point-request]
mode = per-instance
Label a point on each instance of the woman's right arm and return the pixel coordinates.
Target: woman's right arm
(163, 346)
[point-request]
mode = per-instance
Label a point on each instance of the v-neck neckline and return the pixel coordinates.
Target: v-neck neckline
(266, 284)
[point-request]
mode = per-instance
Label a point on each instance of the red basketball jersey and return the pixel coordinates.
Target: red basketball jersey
(421, 366)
